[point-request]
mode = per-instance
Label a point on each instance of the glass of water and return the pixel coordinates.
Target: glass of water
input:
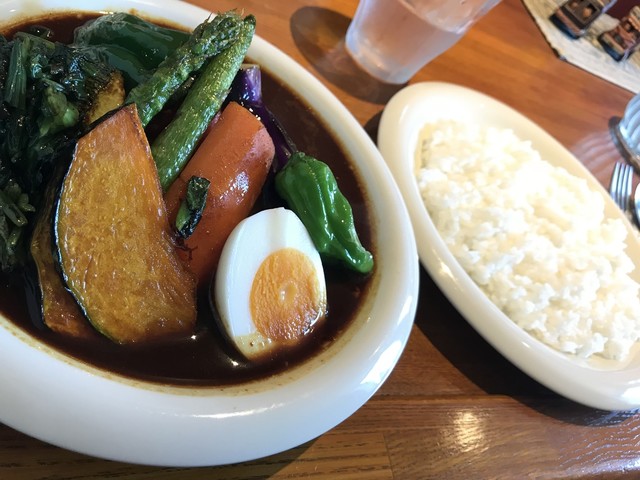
(393, 39)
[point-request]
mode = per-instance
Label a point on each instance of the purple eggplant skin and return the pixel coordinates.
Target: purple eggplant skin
(246, 89)
(247, 85)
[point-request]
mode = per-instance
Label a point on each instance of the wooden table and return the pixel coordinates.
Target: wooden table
(453, 407)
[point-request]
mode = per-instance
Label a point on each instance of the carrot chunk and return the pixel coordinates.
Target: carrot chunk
(235, 157)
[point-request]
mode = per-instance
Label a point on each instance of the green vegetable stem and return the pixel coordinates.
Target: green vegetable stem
(311, 191)
(208, 40)
(177, 142)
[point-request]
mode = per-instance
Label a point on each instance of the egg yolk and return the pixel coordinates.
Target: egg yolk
(286, 299)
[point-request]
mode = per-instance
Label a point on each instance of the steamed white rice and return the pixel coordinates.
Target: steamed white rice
(532, 236)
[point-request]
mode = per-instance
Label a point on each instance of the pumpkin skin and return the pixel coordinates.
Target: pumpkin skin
(58, 309)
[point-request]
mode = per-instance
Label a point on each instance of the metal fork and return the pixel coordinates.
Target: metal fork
(620, 187)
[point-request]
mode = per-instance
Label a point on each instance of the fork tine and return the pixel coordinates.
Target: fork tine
(621, 185)
(614, 187)
(625, 189)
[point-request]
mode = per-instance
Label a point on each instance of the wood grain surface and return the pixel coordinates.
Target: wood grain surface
(453, 408)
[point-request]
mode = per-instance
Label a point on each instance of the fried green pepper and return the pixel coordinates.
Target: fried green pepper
(192, 206)
(311, 191)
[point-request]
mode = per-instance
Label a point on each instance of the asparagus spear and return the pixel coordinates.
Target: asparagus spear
(174, 146)
(208, 39)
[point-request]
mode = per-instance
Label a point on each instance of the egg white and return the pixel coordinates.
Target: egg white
(250, 243)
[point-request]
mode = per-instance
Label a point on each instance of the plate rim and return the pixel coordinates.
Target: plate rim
(606, 389)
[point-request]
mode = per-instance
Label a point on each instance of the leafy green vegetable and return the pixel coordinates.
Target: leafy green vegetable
(45, 88)
(130, 44)
(192, 206)
(15, 89)
(58, 112)
(14, 206)
(311, 191)
(176, 143)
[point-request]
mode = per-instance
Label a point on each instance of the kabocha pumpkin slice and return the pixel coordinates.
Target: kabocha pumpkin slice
(58, 309)
(114, 243)
(108, 99)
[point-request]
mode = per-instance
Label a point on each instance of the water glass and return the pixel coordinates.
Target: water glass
(393, 39)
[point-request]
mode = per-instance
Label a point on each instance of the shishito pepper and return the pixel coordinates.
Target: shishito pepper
(192, 206)
(311, 191)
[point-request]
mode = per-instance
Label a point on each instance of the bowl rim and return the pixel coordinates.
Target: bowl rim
(83, 408)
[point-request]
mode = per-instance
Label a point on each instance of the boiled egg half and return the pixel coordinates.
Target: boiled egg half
(269, 289)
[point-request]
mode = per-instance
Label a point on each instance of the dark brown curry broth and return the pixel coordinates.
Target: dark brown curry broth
(205, 358)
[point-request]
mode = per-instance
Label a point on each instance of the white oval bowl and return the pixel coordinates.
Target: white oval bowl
(598, 383)
(55, 398)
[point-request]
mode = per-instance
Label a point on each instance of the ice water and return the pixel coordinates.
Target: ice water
(393, 39)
